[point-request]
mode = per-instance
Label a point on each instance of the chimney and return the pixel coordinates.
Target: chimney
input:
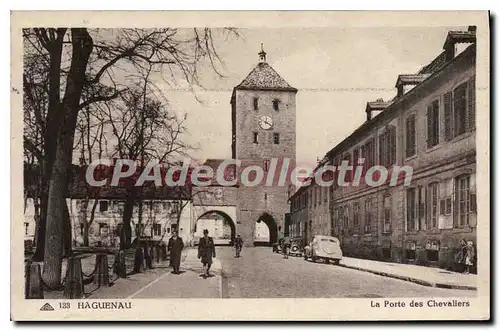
(373, 108)
(406, 82)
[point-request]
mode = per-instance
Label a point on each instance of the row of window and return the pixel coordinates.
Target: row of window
(364, 217)
(157, 207)
(431, 250)
(423, 207)
(276, 138)
(425, 204)
(314, 196)
(386, 153)
(104, 229)
(276, 104)
(459, 117)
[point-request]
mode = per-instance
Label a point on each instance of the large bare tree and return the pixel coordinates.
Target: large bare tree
(85, 67)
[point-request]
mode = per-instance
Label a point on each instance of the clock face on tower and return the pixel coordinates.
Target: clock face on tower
(266, 122)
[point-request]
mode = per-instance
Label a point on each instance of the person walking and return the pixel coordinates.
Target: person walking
(469, 256)
(461, 254)
(286, 245)
(206, 251)
(175, 246)
(238, 244)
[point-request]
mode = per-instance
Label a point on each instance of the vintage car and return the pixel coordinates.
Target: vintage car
(278, 246)
(325, 248)
(295, 247)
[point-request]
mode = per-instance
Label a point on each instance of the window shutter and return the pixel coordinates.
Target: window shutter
(423, 209)
(442, 207)
(392, 146)
(430, 126)
(472, 203)
(454, 202)
(381, 149)
(363, 155)
(412, 133)
(472, 105)
(448, 118)
(408, 137)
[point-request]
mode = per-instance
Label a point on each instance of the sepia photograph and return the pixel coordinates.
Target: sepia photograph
(324, 161)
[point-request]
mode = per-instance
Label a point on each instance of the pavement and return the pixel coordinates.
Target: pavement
(260, 273)
(159, 282)
(427, 276)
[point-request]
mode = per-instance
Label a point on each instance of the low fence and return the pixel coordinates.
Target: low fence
(108, 267)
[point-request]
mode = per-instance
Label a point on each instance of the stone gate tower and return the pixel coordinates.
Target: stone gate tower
(263, 128)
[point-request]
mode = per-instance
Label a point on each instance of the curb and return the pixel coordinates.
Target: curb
(413, 280)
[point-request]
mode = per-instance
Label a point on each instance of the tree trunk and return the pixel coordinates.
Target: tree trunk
(87, 223)
(54, 119)
(42, 224)
(55, 220)
(86, 235)
(128, 210)
(85, 231)
(82, 47)
(36, 204)
(67, 240)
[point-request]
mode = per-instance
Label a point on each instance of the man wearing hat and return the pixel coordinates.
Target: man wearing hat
(206, 251)
(175, 246)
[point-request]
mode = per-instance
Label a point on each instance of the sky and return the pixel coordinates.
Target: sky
(336, 71)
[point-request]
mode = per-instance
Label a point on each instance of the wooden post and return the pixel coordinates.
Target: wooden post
(33, 288)
(157, 253)
(101, 276)
(151, 257)
(120, 267)
(139, 260)
(164, 256)
(73, 287)
(147, 263)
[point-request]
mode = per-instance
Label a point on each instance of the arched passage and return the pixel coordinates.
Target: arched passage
(272, 234)
(220, 227)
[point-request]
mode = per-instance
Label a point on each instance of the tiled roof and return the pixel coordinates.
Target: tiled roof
(411, 79)
(377, 105)
(469, 52)
(264, 77)
(435, 65)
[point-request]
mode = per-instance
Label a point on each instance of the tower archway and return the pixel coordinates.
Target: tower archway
(267, 236)
(220, 226)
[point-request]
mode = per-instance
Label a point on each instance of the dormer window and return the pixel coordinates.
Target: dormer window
(276, 104)
(407, 82)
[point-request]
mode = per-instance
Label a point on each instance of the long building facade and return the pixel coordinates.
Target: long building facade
(430, 127)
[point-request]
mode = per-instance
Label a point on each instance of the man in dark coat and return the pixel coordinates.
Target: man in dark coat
(206, 250)
(175, 246)
(238, 244)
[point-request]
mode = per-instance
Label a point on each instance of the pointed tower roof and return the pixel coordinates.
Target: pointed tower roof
(264, 77)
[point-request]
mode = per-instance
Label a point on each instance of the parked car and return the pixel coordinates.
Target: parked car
(296, 247)
(325, 248)
(278, 246)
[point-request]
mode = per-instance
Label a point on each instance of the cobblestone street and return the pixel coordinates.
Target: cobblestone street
(260, 273)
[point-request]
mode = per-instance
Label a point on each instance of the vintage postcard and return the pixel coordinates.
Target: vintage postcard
(250, 166)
